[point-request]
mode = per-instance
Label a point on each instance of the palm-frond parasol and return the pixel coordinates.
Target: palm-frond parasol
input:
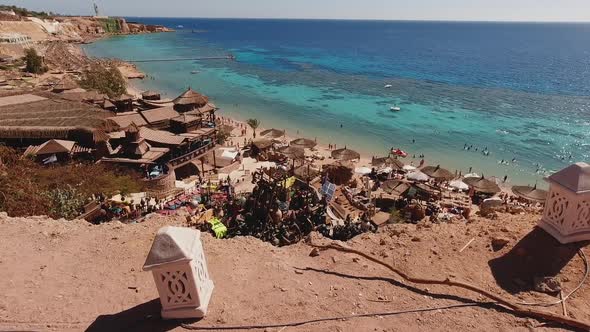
(303, 143)
(530, 193)
(438, 173)
(345, 154)
(482, 185)
(272, 133)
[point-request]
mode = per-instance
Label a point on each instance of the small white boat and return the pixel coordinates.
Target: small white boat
(180, 26)
(388, 86)
(194, 72)
(395, 109)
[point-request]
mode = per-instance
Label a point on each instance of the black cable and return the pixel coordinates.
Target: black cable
(319, 320)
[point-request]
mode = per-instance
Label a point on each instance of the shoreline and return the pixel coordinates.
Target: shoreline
(135, 89)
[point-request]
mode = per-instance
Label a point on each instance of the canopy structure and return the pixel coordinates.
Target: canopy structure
(191, 97)
(345, 154)
(395, 187)
(438, 173)
(262, 143)
(388, 161)
(530, 193)
(293, 152)
(272, 133)
(303, 143)
(482, 185)
(418, 176)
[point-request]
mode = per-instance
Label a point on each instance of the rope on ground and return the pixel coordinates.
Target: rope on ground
(319, 320)
(516, 308)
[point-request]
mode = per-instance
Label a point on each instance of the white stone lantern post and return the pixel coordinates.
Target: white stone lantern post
(178, 265)
(567, 209)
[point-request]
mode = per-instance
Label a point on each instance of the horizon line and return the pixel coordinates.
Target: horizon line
(350, 19)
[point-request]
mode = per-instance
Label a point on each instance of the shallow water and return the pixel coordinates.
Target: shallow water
(521, 90)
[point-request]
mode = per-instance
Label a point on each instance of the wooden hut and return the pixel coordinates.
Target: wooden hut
(150, 95)
(68, 82)
(124, 103)
(189, 101)
(185, 123)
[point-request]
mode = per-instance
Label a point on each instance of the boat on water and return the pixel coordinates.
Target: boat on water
(388, 86)
(180, 26)
(194, 72)
(395, 109)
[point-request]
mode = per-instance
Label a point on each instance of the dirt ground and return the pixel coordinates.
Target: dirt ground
(73, 276)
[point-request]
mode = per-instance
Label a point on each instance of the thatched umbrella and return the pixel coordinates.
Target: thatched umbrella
(339, 173)
(272, 133)
(345, 154)
(395, 187)
(530, 193)
(482, 185)
(191, 97)
(150, 95)
(389, 161)
(306, 172)
(292, 152)
(303, 143)
(438, 173)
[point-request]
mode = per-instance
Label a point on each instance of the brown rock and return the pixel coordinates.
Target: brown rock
(314, 252)
(499, 242)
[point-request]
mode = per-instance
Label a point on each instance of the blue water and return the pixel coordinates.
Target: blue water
(521, 90)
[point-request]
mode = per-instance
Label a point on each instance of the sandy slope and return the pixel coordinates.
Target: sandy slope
(64, 276)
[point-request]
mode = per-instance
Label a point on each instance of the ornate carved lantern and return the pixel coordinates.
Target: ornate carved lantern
(178, 265)
(567, 209)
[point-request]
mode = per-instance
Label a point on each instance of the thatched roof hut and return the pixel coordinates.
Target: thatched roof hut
(190, 100)
(33, 119)
(395, 187)
(150, 95)
(306, 172)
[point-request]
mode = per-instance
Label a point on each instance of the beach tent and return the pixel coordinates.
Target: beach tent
(418, 176)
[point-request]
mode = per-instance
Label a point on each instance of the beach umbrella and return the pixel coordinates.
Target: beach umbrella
(306, 172)
(438, 173)
(363, 170)
(399, 152)
(303, 143)
(385, 170)
(458, 184)
(388, 161)
(472, 175)
(530, 193)
(191, 97)
(483, 185)
(395, 187)
(345, 154)
(292, 152)
(418, 176)
(272, 133)
(339, 172)
(409, 168)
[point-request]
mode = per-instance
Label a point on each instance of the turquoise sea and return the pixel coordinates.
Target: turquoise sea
(521, 90)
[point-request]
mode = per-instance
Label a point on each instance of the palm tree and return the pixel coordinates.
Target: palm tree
(253, 123)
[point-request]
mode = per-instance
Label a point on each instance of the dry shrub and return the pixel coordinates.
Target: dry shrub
(27, 188)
